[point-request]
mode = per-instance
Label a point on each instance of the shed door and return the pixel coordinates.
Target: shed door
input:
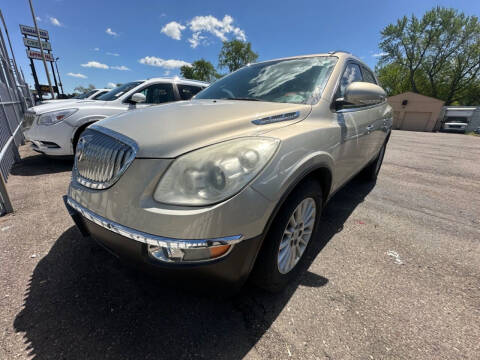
(416, 121)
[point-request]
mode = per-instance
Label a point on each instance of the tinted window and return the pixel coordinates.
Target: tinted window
(158, 93)
(297, 81)
(85, 95)
(368, 76)
(100, 93)
(352, 73)
(119, 91)
(187, 91)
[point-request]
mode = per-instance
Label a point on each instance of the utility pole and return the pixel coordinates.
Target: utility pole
(41, 49)
(58, 73)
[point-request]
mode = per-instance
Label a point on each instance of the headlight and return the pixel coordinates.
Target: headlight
(216, 172)
(54, 117)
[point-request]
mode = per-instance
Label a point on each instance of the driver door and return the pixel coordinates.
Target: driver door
(156, 94)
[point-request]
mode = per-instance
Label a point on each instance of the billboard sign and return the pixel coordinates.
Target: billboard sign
(46, 89)
(28, 30)
(35, 44)
(38, 55)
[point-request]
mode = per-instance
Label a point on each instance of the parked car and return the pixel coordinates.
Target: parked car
(455, 125)
(235, 179)
(90, 95)
(55, 128)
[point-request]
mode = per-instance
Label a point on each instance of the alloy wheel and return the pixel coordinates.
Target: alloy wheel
(296, 235)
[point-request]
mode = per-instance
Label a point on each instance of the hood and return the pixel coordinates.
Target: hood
(167, 131)
(62, 104)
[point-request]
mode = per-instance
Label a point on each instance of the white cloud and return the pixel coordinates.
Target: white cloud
(109, 31)
(166, 73)
(210, 24)
(380, 54)
(113, 54)
(77, 75)
(167, 64)
(121, 67)
(96, 49)
(55, 21)
(95, 64)
(111, 85)
(174, 30)
(196, 40)
(38, 18)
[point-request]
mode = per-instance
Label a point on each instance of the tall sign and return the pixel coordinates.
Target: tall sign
(30, 40)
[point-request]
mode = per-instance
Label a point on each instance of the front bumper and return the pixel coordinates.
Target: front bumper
(130, 245)
(52, 140)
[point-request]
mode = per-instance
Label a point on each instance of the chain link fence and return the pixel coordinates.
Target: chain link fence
(15, 99)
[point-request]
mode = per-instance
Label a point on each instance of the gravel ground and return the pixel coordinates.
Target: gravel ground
(395, 274)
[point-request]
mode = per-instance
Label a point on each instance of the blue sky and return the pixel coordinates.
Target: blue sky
(101, 42)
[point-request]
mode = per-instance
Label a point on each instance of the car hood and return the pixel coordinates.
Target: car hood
(167, 131)
(52, 106)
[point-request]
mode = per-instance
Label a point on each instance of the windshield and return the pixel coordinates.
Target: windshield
(297, 81)
(85, 95)
(119, 91)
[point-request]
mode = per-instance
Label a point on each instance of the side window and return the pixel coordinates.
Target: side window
(158, 93)
(188, 91)
(352, 73)
(368, 76)
(100, 93)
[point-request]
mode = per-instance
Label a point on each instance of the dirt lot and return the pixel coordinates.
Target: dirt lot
(394, 275)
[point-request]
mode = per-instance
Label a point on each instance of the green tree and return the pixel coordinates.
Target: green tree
(202, 70)
(235, 54)
(438, 55)
(82, 90)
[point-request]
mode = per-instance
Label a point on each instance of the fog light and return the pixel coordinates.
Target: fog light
(187, 255)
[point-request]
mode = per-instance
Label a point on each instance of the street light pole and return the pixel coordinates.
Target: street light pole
(58, 73)
(41, 49)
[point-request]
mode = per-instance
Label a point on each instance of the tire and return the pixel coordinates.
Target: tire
(78, 133)
(272, 271)
(370, 173)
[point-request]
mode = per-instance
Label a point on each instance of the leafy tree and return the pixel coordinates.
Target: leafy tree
(235, 54)
(82, 90)
(202, 70)
(437, 55)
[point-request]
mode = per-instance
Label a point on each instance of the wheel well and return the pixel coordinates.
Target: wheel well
(324, 177)
(78, 132)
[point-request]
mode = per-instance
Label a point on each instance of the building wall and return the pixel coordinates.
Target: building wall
(415, 112)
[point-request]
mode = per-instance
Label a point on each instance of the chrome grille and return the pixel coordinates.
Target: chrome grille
(102, 156)
(28, 120)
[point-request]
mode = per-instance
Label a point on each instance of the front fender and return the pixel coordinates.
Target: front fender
(292, 165)
(78, 122)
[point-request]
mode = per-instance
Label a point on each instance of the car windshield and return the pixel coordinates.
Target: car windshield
(119, 91)
(297, 81)
(85, 95)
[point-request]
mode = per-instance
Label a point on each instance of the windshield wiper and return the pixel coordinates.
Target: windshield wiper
(241, 98)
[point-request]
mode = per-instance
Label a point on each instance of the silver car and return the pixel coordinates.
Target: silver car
(233, 182)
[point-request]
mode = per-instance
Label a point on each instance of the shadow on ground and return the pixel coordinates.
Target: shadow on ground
(39, 164)
(83, 303)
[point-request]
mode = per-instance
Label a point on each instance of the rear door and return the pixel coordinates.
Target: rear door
(186, 92)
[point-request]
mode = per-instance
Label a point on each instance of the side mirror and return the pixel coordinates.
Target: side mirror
(363, 93)
(138, 98)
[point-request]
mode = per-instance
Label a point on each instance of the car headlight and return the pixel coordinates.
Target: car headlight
(214, 173)
(54, 117)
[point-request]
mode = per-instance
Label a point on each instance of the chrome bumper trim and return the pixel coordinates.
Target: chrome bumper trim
(149, 238)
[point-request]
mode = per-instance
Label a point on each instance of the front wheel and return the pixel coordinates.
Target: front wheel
(290, 234)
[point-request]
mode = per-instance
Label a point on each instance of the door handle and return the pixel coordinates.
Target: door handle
(370, 128)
